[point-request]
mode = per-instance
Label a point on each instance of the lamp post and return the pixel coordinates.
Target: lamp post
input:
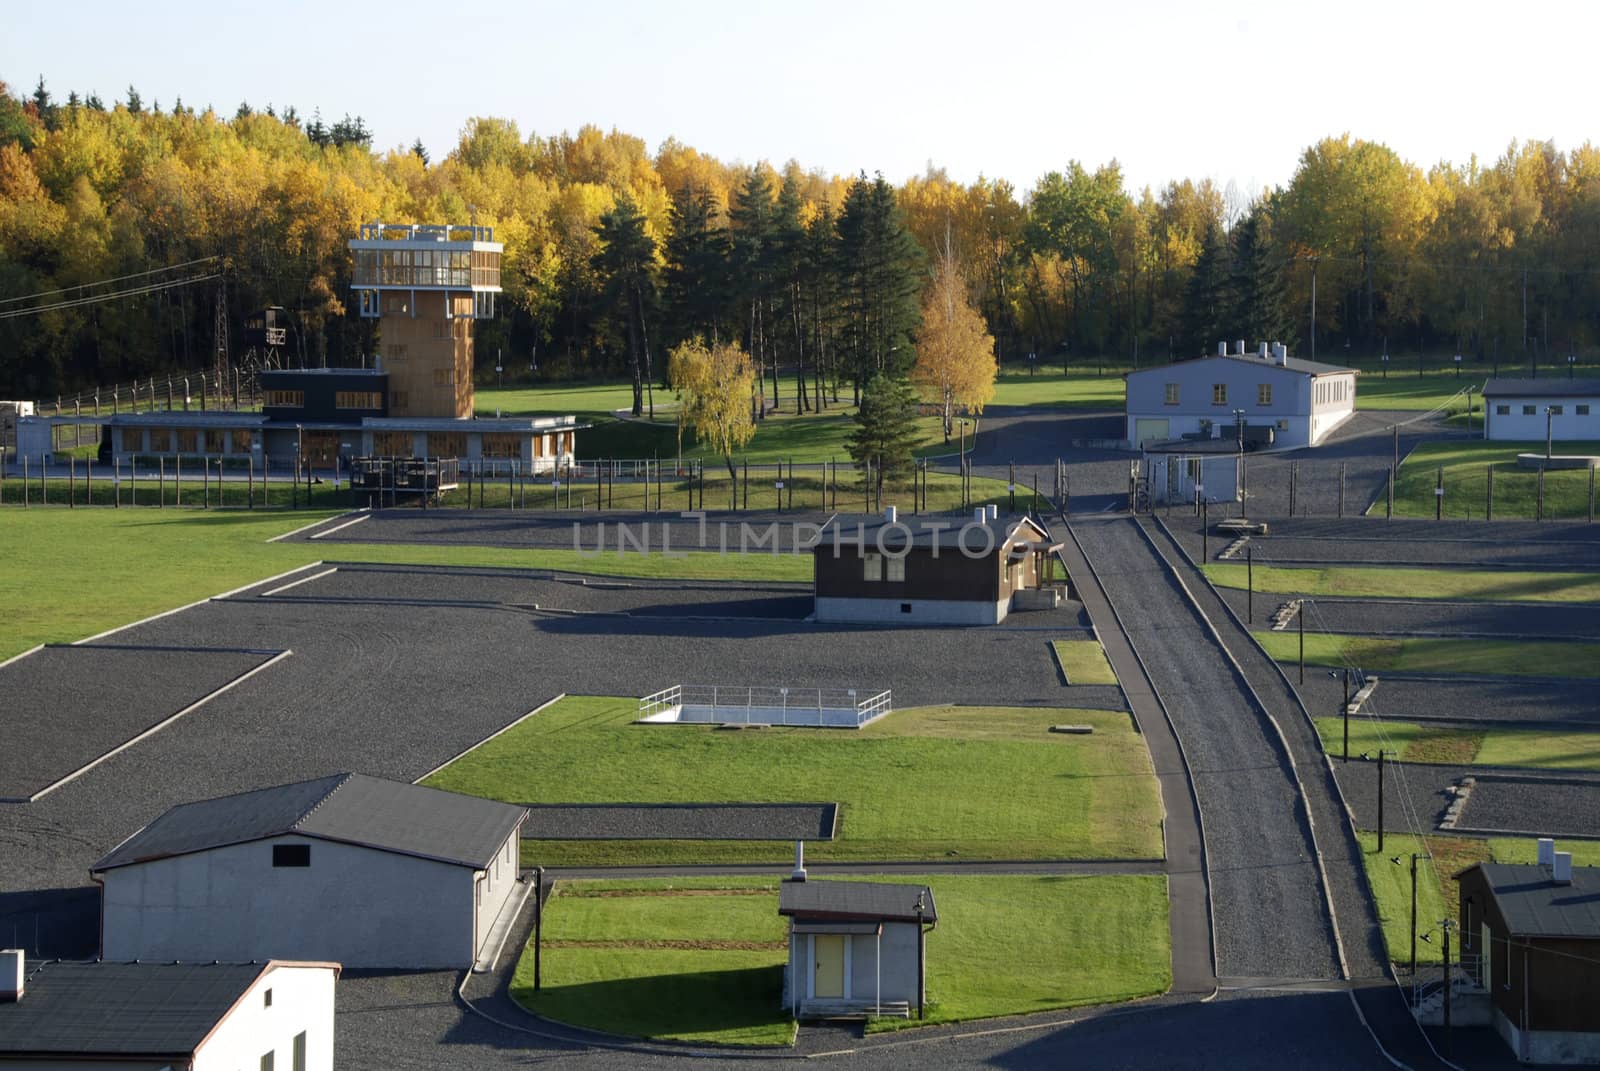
(922, 909)
(1238, 475)
(1549, 423)
(1458, 366)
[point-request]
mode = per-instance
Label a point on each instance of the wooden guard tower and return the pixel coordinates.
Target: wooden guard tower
(425, 285)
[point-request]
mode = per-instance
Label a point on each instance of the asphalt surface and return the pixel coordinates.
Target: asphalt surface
(71, 704)
(1269, 909)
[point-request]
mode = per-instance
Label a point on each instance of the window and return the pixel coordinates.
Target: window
(872, 567)
(1581, 410)
(1264, 394)
(400, 400)
(287, 399)
(1172, 394)
(241, 441)
(447, 444)
(1502, 410)
(186, 441)
(291, 855)
(895, 571)
(1219, 394)
(905, 607)
(213, 440)
(358, 399)
(1527, 410)
(267, 1060)
(501, 445)
(160, 440)
(1555, 410)
(300, 1051)
(266, 998)
(444, 377)
(395, 351)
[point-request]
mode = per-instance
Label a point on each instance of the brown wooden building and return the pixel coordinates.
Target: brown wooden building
(1531, 935)
(929, 570)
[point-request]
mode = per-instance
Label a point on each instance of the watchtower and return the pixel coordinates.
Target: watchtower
(425, 285)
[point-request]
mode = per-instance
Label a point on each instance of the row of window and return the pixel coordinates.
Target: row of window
(1533, 410)
(426, 267)
(189, 439)
(288, 399)
(344, 399)
(1330, 391)
(1219, 394)
(875, 567)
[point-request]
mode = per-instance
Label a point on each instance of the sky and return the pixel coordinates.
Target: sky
(1233, 91)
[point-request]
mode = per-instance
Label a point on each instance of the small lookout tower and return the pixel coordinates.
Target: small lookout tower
(425, 285)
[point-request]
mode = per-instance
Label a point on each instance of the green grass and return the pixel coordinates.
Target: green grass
(918, 784)
(1466, 482)
(653, 958)
(1082, 388)
(1539, 748)
(1526, 850)
(1426, 654)
(1404, 389)
(1420, 583)
(72, 573)
(1083, 662)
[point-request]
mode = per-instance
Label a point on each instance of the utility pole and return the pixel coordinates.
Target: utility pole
(1381, 753)
(1413, 914)
(1448, 925)
(1314, 307)
(1300, 618)
(1346, 711)
(1249, 585)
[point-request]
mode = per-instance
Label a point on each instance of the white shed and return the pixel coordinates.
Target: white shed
(1261, 397)
(356, 869)
(1528, 410)
(855, 947)
(201, 1016)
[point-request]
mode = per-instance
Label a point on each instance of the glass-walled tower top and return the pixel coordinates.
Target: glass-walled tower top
(427, 257)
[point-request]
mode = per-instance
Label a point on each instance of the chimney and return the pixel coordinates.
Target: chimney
(11, 974)
(799, 873)
(1280, 353)
(890, 514)
(979, 515)
(1222, 349)
(993, 511)
(1240, 344)
(1561, 873)
(1263, 351)
(1547, 851)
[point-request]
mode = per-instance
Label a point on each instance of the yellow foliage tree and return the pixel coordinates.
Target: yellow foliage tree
(714, 386)
(955, 352)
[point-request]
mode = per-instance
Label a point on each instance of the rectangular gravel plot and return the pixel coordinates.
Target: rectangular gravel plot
(68, 706)
(1548, 807)
(683, 821)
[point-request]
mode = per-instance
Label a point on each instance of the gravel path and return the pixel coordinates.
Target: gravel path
(1268, 907)
(69, 705)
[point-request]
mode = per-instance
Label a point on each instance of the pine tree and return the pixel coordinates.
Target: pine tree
(420, 151)
(135, 102)
(1256, 294)
(1205, 300)
(752, 220)
(625, 260)
(885, 435)
(880, 266)
(696, 278)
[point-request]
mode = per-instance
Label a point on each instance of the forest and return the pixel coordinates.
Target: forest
(135, 239)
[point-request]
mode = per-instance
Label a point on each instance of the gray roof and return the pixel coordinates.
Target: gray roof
(946, 531)
(855, 900)
(1290, 364)
(1542, 388)
(122, 1009)
(353, 808)
(1535, 906)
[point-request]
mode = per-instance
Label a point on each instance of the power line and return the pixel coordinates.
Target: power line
(105, 282)
(72, 303)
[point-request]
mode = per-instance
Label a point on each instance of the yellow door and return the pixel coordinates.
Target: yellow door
(827, 970)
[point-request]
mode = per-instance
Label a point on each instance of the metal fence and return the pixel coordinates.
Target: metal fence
(762, 705)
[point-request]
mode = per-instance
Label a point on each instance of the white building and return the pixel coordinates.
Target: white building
(355, 869)
(855, 947)
(1526, 410)
(145, 1016)
(1265, 397)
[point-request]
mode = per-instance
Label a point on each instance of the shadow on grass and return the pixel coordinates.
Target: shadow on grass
(738, 1006)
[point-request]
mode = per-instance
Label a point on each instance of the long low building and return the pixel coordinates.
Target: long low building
(1527, 410)
(316, 416)
(1265, 397)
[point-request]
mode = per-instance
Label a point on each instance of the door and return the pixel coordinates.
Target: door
(827, 968)
(1485, 961)
(1146, 429)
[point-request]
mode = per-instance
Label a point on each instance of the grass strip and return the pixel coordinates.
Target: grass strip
(1466, 585)
(1538, 748)
(1427, 654)
(1083, 662)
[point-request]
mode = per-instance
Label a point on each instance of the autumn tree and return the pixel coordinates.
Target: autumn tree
(955, 352)
(714, 385)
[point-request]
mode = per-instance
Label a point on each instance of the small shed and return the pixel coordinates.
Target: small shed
(855, 947)
(931, 570)
(349, 868)
(1529, 410)
(1530, 936)
(1187, 471)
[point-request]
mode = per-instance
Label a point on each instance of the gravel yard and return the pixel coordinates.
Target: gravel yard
(69, 705)
(1431, 617)
(1562, 805)
(1524, 704)
(1564, 546)
(681, 821)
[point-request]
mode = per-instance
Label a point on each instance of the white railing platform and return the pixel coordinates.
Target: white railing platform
(837, 708)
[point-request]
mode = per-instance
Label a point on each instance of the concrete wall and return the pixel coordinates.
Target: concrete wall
(302, 1001)
(898, 979)
(921, 612)
(1171, 480)
(355, 906)
(496, 886)
(1515, 425)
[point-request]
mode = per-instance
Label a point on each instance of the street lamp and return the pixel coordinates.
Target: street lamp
(499, 368)
(1238, 475)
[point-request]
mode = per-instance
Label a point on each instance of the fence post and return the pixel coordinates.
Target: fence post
(1388, 513)
(72, 481)
(1438, 494)
(88, 481)
(1342, 466)
(250, 480)
(745, 484)
(1488, 493)
(1591, 494)
(161, 482)
(24, 480)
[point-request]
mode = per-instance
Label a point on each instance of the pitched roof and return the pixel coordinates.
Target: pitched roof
(855, 900)
(348, 807)
(122, 1009)
(1541, 388)
(1290, 364)
(1535, 906)
(947, 532)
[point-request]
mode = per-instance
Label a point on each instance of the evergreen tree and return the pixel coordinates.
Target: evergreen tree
(880, 266)
(420, 151)
(46, 108)
(135, 102)
(93, 102)
(1256, 295)
(625, 261)
(1205, 300)
(752, 239)
(696, 282)
(316, 133)
(820, 268)
(788, 262)
(885, 434)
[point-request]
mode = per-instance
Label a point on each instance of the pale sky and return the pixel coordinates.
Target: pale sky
(1230, 90)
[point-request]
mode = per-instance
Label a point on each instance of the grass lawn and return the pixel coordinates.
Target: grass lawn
(1426, 654)
(1526, 850)
(1404, 389)
(70, 574)
(1465, 464)
(918, 784)
(1380, 582)
(1083, 662)
(1082, 388)
(1454, 746)
(702, 959)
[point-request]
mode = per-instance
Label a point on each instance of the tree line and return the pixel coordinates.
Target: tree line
(616, 254)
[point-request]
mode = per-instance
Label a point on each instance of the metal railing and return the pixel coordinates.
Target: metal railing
(762, 705)
(1466, 976)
